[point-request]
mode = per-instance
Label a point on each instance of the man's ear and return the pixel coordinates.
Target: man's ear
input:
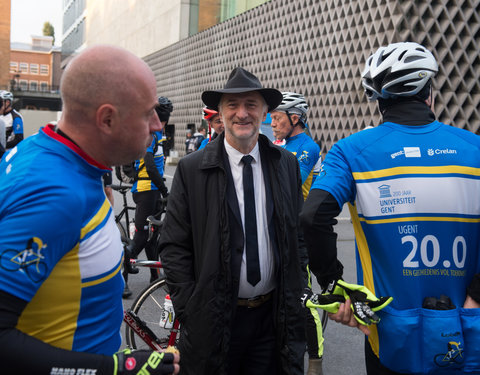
(295, 118)
(106, 116)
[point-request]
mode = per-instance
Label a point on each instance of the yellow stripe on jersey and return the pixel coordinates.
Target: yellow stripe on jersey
(416, 170)
(421, 218)
(97, 219)
(103, 279)
(366, 260)
(46, 319)
(307, 185)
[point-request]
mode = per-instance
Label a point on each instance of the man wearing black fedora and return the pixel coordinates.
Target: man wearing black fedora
(231, 246)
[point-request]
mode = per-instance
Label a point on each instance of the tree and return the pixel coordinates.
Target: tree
(48, 30)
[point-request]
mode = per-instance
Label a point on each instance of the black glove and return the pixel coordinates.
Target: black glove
(142, 362)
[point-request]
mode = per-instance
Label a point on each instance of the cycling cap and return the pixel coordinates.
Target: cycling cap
(6, 95)
(400, 69)
(164, 108)
(208, 113)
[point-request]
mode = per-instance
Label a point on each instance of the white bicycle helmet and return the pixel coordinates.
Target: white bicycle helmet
(6, 95)
(293, 103)
(400, 69)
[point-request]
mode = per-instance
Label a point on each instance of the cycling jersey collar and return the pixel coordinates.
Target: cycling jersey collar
(49, 130)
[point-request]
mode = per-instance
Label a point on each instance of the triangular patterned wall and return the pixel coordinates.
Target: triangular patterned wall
(318, 48)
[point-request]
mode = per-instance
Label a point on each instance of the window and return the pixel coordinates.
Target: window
(44, 69)
(43, 86)
(23, 85)
(33, 85)
(13, 67)
(33, 68)
(23, 67)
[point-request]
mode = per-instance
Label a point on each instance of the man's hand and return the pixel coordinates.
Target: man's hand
(363, 302)
(470, 303)
(143, 362)
(345, 316)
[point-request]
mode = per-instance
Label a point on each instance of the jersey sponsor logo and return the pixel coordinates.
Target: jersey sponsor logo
(437, 151)
(72, 371)
(389, 200)
(29, 260)
(303, 156)
(408, 152)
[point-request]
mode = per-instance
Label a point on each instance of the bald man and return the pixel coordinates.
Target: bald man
(60, 251)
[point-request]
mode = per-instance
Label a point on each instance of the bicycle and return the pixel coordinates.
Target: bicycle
(124, 227)
(143, 328)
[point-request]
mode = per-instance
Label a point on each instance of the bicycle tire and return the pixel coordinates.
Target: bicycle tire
(148, 306)
(122, 230)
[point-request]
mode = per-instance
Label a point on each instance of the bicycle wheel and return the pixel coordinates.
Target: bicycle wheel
(148, 306)
(121, 228)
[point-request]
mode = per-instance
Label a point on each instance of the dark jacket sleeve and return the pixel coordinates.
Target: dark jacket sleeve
(28, 355)
(15, 141)
(176, 244)
(302, 249)
(154, 174)
(317, 220)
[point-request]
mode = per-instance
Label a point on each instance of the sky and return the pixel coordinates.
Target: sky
(28, 17)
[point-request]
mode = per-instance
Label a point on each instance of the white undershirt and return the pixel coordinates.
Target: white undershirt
(267, 261)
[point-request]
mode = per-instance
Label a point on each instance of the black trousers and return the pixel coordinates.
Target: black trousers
(374, 367)
(253, 344)
(146, 205)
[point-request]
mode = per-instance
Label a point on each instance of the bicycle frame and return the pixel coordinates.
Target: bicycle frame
(138, 326)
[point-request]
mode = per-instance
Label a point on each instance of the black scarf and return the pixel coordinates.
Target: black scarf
(406, 111)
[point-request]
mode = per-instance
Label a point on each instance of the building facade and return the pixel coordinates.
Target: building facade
(5, 6)
(35, 74)
(142, 26)
(318, 48)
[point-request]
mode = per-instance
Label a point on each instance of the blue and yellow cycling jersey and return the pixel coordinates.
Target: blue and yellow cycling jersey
(144, 182)
(415, 203)
(308, 156)
(60, 249)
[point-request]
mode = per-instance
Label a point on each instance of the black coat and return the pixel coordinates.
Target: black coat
(199, 250)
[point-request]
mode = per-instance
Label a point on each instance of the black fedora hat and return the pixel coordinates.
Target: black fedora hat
(240, 81)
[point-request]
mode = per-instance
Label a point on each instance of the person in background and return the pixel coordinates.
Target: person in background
(107, 186)
(231, 247)
(199, 136)
(412, 187)
(190, 142)
(13, 120)
(148, 188)
(3, 142)
(60, 250)
(215, 123)
(289, 120)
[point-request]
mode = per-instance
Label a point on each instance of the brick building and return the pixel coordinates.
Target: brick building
(35, 73)
(32, 65)
(4, 43)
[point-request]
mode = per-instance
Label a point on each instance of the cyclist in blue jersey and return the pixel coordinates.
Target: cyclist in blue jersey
(215, 122)
(60, 251)
(13, 120)
(289, 120)
(147, 189)
(412, 186)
